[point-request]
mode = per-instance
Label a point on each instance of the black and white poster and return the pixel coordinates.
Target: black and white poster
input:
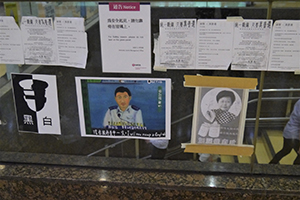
(219, 115)
(36, 103)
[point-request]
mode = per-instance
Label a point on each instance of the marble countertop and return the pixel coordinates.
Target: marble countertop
(155, 179)
(87, 176)
(182, 166)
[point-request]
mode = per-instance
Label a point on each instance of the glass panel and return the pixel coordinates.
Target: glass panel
(274, 111)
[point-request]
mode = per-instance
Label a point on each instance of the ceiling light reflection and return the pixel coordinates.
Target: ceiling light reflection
(103, 176)
(211, 181)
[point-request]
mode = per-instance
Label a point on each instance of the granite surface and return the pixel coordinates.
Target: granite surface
(75, 177)
(49, 182)
(186, 166)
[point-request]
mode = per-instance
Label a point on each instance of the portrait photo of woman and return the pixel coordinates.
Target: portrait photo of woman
(219, 115)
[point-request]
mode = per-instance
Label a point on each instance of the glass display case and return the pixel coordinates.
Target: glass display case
(269, 106)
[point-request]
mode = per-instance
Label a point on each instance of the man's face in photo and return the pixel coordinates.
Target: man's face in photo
(122, 99)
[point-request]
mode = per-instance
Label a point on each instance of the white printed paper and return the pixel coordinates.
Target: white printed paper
(71, 42)
(62, 43)
(11, 51)
(38, 41)
(177, 42)
(284, 53)
(252, 39)
(214, 44)
(125, 37)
